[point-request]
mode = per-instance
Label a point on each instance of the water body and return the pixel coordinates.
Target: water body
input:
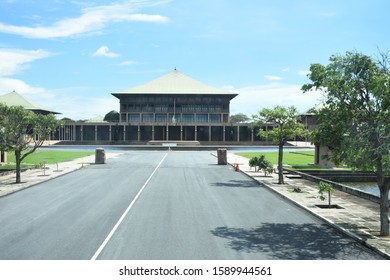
(368, 187)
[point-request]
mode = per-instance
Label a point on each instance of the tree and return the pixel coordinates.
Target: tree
(239, 118)
(354, 122)
(22, 132)
(325, 187)
(285, 127)
(112, 116)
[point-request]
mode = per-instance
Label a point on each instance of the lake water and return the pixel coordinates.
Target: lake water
(368, 187)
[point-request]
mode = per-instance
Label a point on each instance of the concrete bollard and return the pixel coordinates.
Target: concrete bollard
(100, 156)
(222, 157)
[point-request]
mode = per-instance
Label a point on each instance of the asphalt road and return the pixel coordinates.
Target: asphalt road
(163, 205)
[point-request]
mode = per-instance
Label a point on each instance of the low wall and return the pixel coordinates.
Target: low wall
(336, 185)
(343, 175)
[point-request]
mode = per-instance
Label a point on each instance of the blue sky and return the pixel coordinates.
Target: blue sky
(71, 55)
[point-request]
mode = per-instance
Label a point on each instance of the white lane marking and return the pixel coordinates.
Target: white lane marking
(96, 255)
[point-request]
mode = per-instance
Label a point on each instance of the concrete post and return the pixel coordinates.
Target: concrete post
(100, 156)
(222, 156)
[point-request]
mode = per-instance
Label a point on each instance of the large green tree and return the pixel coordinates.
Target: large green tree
(112, 116)
(239, 118)
(22, 132)
(286, 126)
(354, 122)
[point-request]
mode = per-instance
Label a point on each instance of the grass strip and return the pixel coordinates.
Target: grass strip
(299, 160)
(45, 156)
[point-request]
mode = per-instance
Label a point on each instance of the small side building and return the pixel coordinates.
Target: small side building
(320, 152)
(15, 99)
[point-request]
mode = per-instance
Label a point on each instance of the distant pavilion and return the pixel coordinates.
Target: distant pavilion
(15, 99)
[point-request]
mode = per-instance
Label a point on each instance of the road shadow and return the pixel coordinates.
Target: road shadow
(237, 184)
(293, 242)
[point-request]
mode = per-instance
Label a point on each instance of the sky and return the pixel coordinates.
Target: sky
(71, 55)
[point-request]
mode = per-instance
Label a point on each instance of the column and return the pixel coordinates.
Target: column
(81, 133)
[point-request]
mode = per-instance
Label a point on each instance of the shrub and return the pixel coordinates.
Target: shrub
(261, 163)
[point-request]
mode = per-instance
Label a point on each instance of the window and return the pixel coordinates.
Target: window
(124, 107)
(202, 118)
(147, 118)
(134, 118)
(188, 118)
(215, 118)
(174, 118)
(161, 108)
(161, 118)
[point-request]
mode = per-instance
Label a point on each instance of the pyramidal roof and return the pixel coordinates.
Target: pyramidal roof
(174, 82)
(15, 99)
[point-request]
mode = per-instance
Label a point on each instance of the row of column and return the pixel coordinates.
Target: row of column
(68, 133)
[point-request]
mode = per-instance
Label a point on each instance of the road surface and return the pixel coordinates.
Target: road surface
(148, 205)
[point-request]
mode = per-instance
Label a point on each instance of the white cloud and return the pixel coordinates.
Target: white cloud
(145, 18)
(273, 78)
(303, 73)
(70, 102)
(15, 60)
(105, 51)
(91, 20)
(75, 109)
(253, 98)
(7, 85)
(128, 62)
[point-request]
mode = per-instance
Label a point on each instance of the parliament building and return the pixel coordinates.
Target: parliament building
(173, 107)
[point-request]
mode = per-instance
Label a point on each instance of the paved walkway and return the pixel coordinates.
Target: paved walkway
(33, 177)
(359, 217)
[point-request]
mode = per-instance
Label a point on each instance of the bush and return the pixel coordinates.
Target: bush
(253, 162)
(261, 163)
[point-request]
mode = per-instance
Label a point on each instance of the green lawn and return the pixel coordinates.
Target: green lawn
(300, 159)
(46, 156)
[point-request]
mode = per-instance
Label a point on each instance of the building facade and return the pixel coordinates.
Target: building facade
(173, 107)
